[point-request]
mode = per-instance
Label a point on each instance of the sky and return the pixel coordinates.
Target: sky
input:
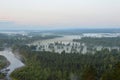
(55, 14)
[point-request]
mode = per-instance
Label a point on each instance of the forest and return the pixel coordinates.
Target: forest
(43, 65)
(103, 65)
(10, 40)
(3, 63)
(103, 41)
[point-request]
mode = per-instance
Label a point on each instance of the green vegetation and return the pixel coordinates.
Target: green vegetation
(19, 39)
(102, 65)
(112, 74)
(74, 66)
(2, 76)
(3, 64)
(104, 41)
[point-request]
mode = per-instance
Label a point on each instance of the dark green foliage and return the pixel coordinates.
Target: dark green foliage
(113, 74)
(89, 73)
(19, 39)
(73, 66)
(3, 62)
(104, 41)
(2, 76)
(54, 66)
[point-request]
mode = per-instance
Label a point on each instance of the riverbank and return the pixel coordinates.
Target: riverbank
(14, 62)
(3, 64)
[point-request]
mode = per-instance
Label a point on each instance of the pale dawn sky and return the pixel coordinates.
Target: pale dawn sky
(61, 13)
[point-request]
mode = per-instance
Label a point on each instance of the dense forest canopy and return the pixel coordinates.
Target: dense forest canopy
(44, 65)
(103, 41)
(75, 66)
(12, 39)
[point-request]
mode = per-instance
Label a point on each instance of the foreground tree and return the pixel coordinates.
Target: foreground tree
(89, 73)
(113, 74)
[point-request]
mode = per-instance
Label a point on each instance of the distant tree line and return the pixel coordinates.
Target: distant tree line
(19, 39)
(104, 41)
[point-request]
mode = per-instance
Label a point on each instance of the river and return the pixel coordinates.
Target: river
(14, 62)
